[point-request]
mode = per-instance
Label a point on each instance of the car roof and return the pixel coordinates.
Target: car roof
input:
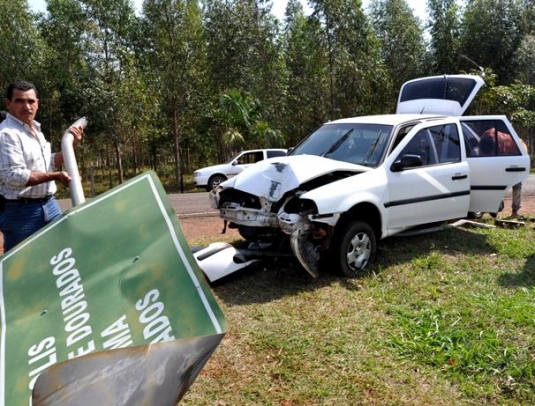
(263, 149)
(388, 119)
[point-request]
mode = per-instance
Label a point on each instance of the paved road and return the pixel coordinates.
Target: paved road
(198, 204)
(185, 204)
(192, 204)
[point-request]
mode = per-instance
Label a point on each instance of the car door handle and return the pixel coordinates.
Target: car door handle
(459, 177)
(515, 169)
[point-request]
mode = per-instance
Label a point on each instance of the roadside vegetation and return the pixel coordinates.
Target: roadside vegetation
(442, 319)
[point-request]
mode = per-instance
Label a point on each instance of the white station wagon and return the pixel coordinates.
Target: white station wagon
(211, 176)
(355, 181)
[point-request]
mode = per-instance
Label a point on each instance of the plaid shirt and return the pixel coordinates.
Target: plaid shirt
(20, 154)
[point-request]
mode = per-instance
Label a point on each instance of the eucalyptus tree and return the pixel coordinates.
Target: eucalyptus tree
(64, 80)
(445, 24)
(402, 40)
(529, 16)
(108, 44)
(492, 32)
(263, 72)
(226, 45)
(244, 54)
(525, 60)
(307, 86)
(354, 68)
(177, 60)
(241, 38)
(18, 44)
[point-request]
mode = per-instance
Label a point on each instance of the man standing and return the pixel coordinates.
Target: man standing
(27, 167)
(516, 203)
(498, 143)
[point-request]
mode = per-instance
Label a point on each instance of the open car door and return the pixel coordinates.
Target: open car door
(497, 159)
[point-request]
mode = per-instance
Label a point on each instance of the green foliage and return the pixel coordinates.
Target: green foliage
(239, 121)
(351, 56)
(19, 48)
(185, 83)
(445, 35)
(401, 36)
(525, 60)
(304, 104)
(492, 31)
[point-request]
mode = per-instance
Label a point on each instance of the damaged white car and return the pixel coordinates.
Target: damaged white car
(355, 181)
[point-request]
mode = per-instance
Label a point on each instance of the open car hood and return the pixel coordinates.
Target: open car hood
(272, 178)
(448, 95)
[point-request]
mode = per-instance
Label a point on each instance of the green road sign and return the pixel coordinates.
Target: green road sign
(106, 304)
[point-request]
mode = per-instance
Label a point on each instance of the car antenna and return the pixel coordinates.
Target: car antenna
(479, 67)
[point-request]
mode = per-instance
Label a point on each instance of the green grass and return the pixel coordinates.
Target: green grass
(442, 319)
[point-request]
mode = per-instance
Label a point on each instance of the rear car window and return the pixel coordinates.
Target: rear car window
(489, 138)
(273, 154)
(457, 89)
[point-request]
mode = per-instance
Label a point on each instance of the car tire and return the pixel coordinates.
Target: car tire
(215, 181)
(353, 249)
(474, 215)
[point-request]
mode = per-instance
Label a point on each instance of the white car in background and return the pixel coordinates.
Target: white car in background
(211, 176)
(355, 181)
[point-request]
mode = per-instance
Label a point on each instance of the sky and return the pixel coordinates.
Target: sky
(279, 6)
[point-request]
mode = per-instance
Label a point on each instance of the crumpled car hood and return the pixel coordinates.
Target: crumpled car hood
(272, 178)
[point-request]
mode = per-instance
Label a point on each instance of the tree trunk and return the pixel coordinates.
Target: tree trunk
(120, 174)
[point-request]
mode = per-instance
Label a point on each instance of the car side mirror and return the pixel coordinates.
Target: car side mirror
(407, 161)
(234, 163)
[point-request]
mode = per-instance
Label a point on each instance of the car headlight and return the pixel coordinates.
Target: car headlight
(300, 206)
(197, 173)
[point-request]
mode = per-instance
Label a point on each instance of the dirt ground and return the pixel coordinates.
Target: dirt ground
(198, 228)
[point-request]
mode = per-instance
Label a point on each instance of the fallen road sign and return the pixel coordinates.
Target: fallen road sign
(106, 305)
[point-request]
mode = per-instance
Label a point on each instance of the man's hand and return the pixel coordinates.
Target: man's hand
(63, 177)
(78, 133)
(36, 178)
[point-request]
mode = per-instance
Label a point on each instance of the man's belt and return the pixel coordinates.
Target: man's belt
(28, 200)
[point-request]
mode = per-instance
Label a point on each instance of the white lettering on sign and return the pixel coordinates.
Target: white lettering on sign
(120, 334)
(73, 303)
(157, 326)
(42, 355)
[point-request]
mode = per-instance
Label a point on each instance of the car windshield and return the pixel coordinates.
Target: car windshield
(356, 143)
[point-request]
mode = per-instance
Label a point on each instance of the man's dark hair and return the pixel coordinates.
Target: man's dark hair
(19, 85)
(487, 145)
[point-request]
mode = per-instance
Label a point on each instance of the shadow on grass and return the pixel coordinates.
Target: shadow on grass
(452, 242)
(526, 278)
(268, 281)
(273, 279)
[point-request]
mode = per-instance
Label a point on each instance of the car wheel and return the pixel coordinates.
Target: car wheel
(215, 181)
(353, 248)
(474, 215)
